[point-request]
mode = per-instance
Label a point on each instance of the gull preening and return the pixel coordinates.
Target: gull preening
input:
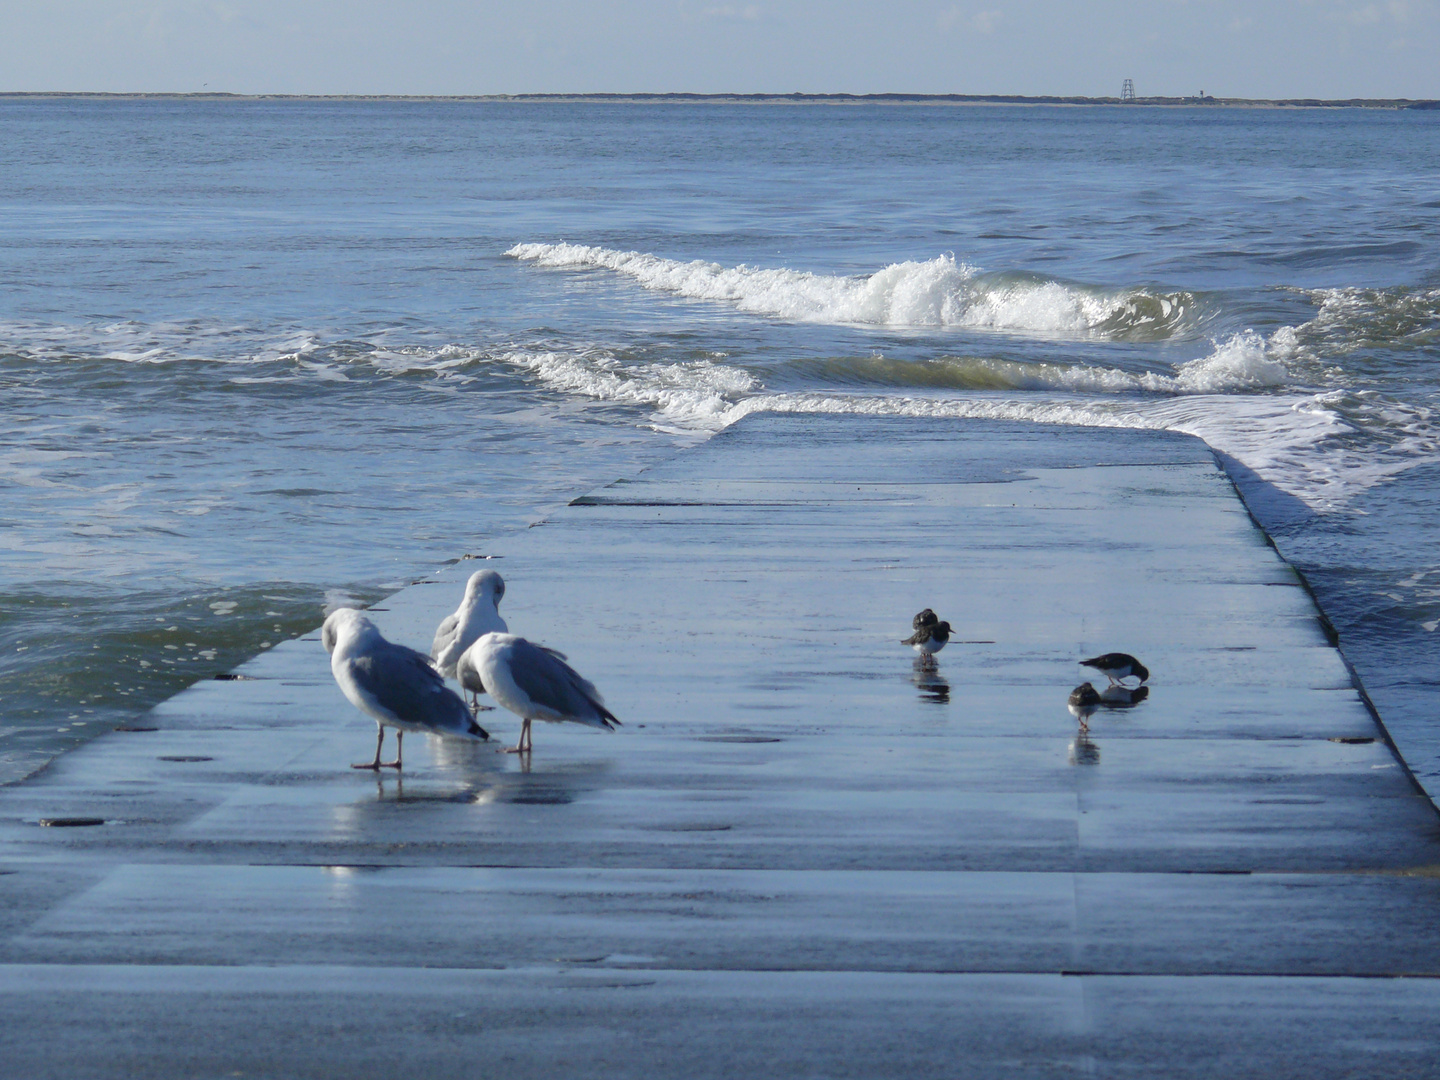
(394, 685)
(533, 682)
(931, 635)
(478, 613)
(1116, 666)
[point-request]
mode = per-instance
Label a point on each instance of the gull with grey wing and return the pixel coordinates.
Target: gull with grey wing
(394, 685)
(533, 682)
(478, 613)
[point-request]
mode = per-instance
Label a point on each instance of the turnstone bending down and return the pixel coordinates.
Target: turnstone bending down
(1117, 665)
(1083, 703)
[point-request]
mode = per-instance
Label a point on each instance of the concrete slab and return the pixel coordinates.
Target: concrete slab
(801, 855)
(313, 1021)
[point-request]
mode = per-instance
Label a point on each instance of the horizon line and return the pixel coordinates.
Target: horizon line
(761, 97)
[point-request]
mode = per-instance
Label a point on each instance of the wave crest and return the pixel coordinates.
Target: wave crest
(939, 292)
(694, 395)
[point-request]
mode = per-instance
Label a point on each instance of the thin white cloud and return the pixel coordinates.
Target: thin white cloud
(1400, 12)
(982, 22)
(986, 21)
(749, 12)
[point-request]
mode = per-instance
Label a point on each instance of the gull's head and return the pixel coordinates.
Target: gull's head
(342, 624)
(486, 583)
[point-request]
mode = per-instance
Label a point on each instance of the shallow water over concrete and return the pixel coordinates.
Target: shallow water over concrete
(798, 855)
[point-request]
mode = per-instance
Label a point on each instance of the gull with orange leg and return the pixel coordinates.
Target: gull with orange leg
(533, 682)
(395, 686)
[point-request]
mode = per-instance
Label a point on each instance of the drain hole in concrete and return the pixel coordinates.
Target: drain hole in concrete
(185, 757)
(1351, 740)
(135, 727)
(70, 822)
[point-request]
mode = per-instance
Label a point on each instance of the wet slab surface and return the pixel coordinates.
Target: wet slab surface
(801, 855)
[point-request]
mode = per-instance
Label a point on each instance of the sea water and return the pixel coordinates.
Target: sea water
(261, 357)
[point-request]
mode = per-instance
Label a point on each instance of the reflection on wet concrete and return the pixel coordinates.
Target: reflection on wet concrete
(1083, 750)
(547, 785)
(932, 685)
(1123, 697)
(464, 772)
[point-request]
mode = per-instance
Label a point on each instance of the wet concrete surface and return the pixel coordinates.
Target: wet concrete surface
(801, 854)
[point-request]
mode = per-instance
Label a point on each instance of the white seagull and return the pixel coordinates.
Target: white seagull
(533, 682)
(396, 686)
(478, 613)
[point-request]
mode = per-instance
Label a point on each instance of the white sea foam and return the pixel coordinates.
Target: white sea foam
(937, 292)
(153, 343)
(1286, 437)
(1352, 318)
(697, 395)
(1388, 315)
(1236, 394)
(1242, 362)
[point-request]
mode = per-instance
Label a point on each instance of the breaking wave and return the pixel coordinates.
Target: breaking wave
(1283, 405)
(706, 393)
(1298, 439)
(698, 395)
(1243, 362)
(938, 292)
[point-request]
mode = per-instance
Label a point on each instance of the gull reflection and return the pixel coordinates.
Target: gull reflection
(455, 773)
(932, 685)
(443, 770)
(554, 784)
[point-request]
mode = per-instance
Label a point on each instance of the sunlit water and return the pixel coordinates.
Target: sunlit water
(257, 357)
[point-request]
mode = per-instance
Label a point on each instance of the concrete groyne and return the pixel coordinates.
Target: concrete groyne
(801, 855)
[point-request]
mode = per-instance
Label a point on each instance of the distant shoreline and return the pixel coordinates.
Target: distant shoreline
(786, 99)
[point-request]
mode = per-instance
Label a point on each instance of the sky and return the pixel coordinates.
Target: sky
(1226, 48)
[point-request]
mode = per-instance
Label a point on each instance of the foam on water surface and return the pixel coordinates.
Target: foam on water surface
(300, 350)
(938, 292)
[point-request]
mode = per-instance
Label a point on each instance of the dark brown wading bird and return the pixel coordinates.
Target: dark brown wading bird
(1083, 703)
(931, 635)
(1117, 665)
